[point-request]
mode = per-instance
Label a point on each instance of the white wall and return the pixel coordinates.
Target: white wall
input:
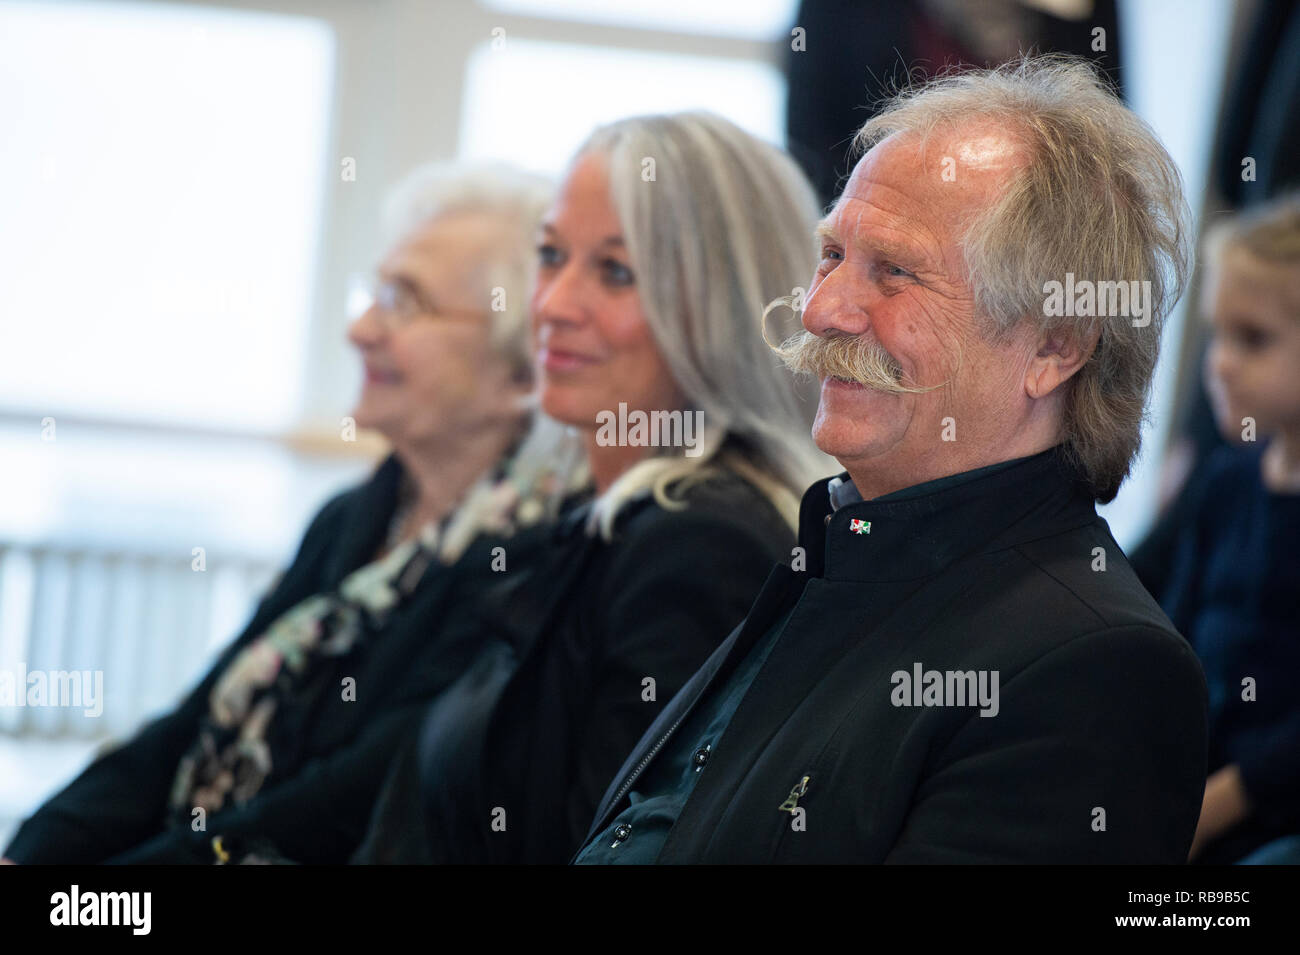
(1174, 63)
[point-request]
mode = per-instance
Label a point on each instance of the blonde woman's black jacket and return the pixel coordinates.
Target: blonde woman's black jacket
(331, 754)
(1097, 751)
(578, 661)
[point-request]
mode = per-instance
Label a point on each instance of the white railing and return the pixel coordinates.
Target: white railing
(147, 624)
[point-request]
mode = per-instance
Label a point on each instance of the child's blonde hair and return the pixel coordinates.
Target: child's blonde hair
(1269, 233)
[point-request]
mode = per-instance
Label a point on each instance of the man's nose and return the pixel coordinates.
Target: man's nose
(835, 306)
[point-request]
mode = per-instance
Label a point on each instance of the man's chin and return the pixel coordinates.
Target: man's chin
(844, 441)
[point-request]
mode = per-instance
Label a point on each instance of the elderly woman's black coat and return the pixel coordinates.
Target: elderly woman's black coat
(513, 758)
(315, 806)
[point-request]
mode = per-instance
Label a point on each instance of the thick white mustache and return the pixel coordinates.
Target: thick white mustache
(839, 356)
(842, 356)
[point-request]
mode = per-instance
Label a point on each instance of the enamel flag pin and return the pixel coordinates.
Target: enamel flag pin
(859, 527)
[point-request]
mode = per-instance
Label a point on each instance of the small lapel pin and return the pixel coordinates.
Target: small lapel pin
(859, 527)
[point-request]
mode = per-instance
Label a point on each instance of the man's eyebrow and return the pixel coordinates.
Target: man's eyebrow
(905, 252)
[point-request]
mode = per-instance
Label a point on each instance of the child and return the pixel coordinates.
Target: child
(1234, 588)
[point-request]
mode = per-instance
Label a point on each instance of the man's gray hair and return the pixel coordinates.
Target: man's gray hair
(518, 200)
(1099, 199)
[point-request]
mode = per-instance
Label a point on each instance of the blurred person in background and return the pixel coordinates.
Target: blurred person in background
(669, 236)
(1234, 583)
(867, 50)
(1259, 118)
(284, 743)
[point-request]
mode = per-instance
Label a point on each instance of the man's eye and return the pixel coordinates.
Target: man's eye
(548, 255)
(896, 271)
(829, 259)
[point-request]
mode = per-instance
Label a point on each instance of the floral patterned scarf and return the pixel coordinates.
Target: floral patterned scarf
(231, 758)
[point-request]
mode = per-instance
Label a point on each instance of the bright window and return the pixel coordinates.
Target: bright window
(747, 19)
(161, 178)
(533, 102)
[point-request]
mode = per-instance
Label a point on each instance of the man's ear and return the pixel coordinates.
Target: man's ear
(1060, 353)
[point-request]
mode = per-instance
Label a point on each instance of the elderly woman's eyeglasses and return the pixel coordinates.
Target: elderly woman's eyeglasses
(399, 302)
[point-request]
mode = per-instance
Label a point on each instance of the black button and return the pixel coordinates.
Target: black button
(622, 831)
(701, 757)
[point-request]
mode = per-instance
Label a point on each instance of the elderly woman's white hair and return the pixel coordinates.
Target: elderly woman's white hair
(545, 464)
(515, 198)
(724, 227)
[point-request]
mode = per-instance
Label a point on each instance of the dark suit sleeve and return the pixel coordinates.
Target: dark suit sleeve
(120, 799)
(675, 591)
(1153, 559)
(1113, 722)
(317, 817)
(1177, 585)
(1271, 773)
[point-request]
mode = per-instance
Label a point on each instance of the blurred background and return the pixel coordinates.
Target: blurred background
(188, 190)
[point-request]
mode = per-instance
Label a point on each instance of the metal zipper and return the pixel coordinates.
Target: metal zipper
(645, 761)
(792, 801)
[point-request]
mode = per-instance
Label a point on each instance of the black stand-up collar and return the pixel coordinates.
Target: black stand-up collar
(916, 534)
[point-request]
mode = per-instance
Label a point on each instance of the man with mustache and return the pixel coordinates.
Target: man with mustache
(959, 664)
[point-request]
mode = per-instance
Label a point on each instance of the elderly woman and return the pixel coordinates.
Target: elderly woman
(669, 235)
(285, 740)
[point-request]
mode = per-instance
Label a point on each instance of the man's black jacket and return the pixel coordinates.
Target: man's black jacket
(1097, 752)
